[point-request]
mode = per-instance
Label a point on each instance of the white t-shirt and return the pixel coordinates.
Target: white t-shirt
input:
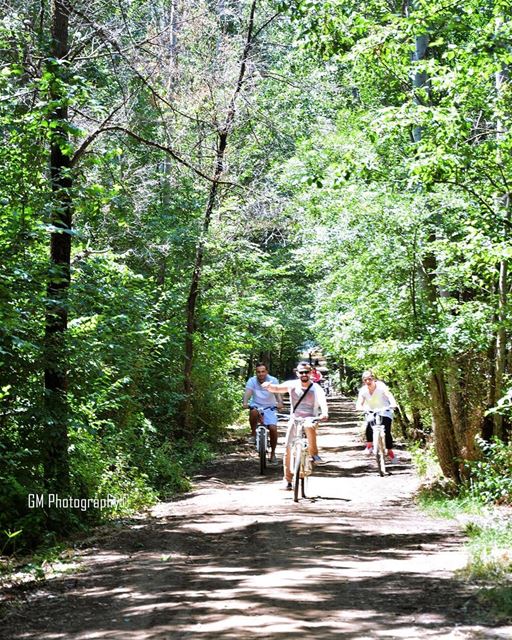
(380, 400)
(261, 397)
(314, 401)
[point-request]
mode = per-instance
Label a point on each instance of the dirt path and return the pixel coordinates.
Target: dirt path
(237, 559)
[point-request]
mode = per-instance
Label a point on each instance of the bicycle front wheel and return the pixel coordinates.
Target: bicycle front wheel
(303, 487)
(296, 476)
(262, 452)
(381, 463)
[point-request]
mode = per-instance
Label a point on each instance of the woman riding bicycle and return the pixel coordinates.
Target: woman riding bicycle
(307, 400)
(374, 395)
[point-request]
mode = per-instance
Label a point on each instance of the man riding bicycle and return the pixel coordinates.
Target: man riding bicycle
(262, 405)
(307, 401)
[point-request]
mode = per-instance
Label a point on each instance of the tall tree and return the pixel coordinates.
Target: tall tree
(55, 375)
(223, 133)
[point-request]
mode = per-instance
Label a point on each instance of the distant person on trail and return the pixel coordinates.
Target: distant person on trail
(307, 400)
(262, 402)
(375, 395)
(326, 385)
(316, 376)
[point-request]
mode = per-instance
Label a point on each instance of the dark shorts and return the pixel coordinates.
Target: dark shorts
(386, 421)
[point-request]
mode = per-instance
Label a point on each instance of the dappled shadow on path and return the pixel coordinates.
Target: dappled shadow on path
(218, 575)
(212, 577)
(237, 559)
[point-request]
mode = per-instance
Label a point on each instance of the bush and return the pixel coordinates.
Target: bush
(490, 477)
(425, 460)
(490, 550)
(18, 479)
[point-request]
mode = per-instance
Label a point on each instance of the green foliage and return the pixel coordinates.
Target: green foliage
(334, 222)
(504, 405)
(425, 461)
(19, 479)
(489, 543)
(441, 498)
(10, 537)
(497, 601)
(491, 475)
(490, 547)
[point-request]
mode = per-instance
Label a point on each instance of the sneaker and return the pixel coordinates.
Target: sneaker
(368, 451)
(273, 460)
(251, 439)
(393, 460)
(288, 486)
(316, 458)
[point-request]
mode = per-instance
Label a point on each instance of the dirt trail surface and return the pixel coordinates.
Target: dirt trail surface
(237, 559)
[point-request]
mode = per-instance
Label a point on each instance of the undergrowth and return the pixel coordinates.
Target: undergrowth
(478, 505)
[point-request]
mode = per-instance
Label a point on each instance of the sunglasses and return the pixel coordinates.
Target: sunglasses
(304, 373)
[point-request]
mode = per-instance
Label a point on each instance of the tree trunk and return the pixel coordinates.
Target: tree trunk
(418, 429)
(443, 433)
(503, 205)
(501, 345)
(56, 467)
(186, 421)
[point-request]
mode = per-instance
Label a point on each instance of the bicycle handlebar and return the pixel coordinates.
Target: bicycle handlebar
(373, 412)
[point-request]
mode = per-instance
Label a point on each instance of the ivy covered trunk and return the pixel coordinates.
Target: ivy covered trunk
(55, 445)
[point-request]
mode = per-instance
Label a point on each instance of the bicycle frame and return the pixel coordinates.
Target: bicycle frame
(374, 420)
(300, 461)
(262, 438)
(262, 445)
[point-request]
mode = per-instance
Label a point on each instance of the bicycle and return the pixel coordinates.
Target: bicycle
(301, 463)
(374, 420)
(263, 438)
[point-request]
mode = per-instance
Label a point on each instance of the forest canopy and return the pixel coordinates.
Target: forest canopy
(188, 187)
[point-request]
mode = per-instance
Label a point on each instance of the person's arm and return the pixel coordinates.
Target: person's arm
(393, 403)
(322, 401)
(279, 400)
(247, 395)
(275, 388)
(360, 402)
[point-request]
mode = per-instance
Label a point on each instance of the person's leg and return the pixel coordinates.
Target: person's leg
(369, 439)
(254, 419)
(311, 436)
(273, 439)
(388, 437)
(287, 472)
